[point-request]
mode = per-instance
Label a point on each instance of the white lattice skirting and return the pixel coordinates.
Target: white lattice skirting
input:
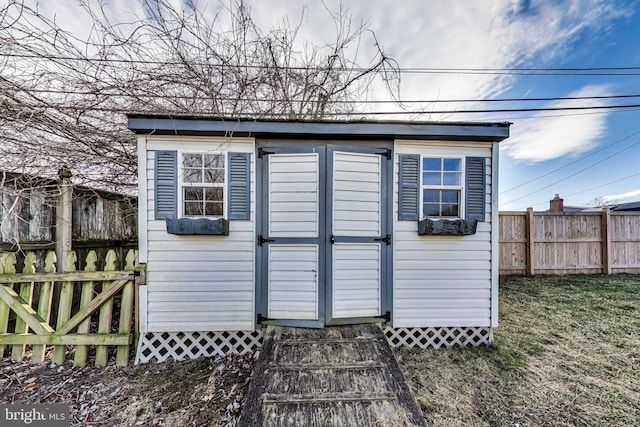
(161, 346)
(438, 337)
(191, 345)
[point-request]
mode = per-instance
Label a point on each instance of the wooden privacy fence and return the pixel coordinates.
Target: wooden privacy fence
(569, 242)
(94, 308)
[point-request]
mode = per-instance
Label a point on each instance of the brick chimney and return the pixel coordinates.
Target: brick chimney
(556, 204)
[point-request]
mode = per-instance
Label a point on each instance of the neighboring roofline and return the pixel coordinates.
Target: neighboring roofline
(357, 129)
(626, 206)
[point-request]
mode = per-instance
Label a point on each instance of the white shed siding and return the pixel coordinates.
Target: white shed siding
(442, 281)
(199, 283)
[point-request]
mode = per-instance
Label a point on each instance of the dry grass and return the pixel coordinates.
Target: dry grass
(567, 353)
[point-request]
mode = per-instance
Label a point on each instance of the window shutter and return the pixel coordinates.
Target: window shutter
(475, 188)
(166, 174)
(239, 178)
(409, 185)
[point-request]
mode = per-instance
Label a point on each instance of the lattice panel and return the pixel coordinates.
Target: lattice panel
(438, 337)
(191, 345)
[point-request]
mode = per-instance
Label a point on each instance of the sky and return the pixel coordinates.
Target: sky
(499, 49)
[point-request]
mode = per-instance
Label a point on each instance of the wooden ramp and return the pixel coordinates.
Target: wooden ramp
(332, 377)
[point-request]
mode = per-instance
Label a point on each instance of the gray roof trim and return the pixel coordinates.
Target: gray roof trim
(460, 131)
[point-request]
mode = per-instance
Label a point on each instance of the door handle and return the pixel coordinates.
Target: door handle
(386, 239)
(262, 240)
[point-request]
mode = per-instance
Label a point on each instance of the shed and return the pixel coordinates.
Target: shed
(249, 222)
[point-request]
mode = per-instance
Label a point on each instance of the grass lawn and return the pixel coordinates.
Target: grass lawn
(566, 353)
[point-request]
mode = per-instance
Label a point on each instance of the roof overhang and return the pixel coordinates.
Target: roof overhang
(361, 129)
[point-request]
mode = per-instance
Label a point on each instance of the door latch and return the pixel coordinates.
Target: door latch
(262, 240)
(386, 239)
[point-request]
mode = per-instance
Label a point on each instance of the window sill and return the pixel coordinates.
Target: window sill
(447, 227)
(198, 226)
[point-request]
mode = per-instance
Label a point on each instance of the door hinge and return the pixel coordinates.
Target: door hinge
(386, 153)
(333, 239)
(262, 152)
(262, 240)
(386, 239)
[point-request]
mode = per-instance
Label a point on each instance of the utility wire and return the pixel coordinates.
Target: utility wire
(416, 101)
(604, 185)
(575, 173)
(574, 71)
(380, 113)
(571, 163)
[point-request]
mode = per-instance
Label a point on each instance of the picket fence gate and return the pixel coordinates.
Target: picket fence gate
(99, 312)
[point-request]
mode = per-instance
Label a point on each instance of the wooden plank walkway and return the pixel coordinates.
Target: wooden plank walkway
(332, 377)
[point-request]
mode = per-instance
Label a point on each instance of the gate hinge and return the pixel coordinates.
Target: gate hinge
(386, 239)
(387, 316)
(262, 240)
(260, 318)
(262, 152)
(386, 153)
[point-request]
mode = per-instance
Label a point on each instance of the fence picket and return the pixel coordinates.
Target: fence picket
(65, 305)
(126, 310)
(73, 325)
(7, 266)
(80, 356)
(26, 293)
(44, 305)
(104, 319)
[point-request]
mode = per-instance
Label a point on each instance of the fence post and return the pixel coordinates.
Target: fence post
(606, 241)
(530, 236)
(64, 218)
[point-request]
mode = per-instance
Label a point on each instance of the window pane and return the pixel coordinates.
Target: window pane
(431, 164)
(452, 165)
(213, 209)
(193, 208)
(430, 178)
(192, 193)
(192, 160)
(192, 175)
(451, 178)
(213, 161)
(214, 194)
(214, 176)
(431, 196)
(449, 210)
(449, 196)
(431, 209)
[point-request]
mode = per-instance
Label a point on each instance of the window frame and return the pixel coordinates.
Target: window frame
(461, 188)
(181, 184)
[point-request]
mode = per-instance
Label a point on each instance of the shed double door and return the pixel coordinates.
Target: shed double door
(322, 236)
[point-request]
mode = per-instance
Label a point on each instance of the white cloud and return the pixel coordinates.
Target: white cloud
(622, 196)
(546, 138)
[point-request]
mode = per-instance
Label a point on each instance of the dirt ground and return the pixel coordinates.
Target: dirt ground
(203, 392)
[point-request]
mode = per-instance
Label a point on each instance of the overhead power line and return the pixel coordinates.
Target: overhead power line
(575, 173)
(404, 101)
(374, 113)
(604, 185)
(571, 163)
(559, 71)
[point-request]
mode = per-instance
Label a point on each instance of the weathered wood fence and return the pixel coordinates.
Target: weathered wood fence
(569, 242)
(95, 308)
(40, 214)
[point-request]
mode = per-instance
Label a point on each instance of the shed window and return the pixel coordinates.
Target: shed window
(442, 187)
(202, 183)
